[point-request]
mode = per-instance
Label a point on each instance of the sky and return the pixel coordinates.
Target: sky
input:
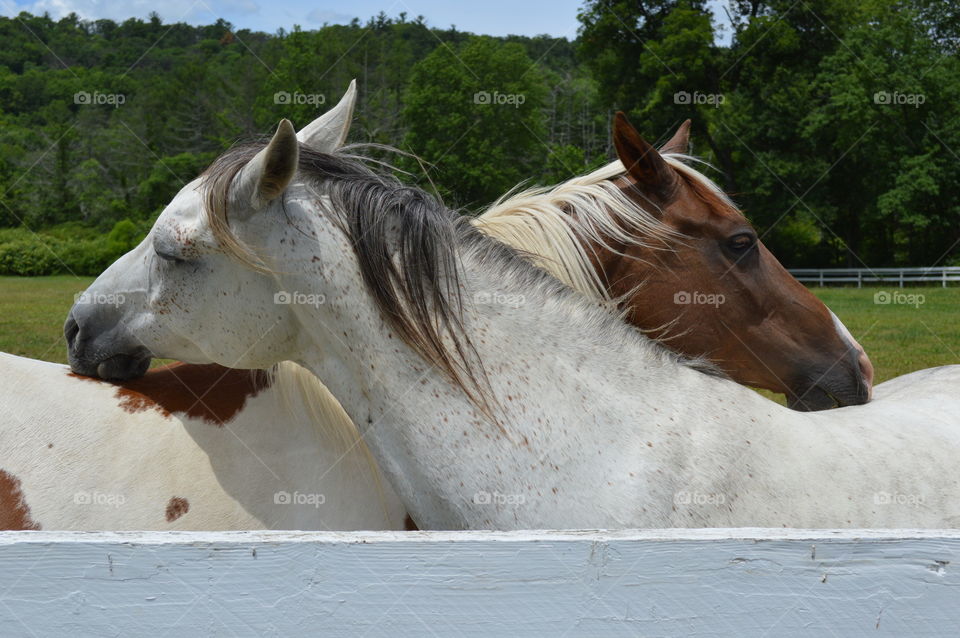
(490, 17)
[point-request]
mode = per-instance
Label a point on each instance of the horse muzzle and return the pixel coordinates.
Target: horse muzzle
(844, 383)
(110, 355)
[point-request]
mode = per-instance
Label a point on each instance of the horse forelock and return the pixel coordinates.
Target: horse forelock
(702, 186)
(215, 185)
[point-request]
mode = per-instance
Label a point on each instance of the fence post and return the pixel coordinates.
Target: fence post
(943, 276)
(901, 279)
(821, 279)
(859, 279)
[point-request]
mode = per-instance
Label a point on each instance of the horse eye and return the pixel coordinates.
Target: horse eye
(742, 242)
(168, 258)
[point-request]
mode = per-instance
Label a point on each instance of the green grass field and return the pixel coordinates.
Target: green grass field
(32, 311)
(901, 336)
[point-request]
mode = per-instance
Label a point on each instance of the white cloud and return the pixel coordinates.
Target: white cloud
(320, 16)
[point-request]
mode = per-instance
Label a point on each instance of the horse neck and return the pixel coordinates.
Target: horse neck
(548, 353)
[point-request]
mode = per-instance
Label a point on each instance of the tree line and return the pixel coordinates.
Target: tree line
(833, 123)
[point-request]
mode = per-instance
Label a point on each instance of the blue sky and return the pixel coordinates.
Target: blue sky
(492, 17)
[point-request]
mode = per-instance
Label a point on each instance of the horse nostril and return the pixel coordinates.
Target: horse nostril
(71, 329)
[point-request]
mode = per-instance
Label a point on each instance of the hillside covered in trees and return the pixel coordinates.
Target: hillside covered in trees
(833, 123)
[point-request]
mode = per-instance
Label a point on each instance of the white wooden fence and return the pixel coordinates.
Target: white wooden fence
(888, 276)
(743, 583)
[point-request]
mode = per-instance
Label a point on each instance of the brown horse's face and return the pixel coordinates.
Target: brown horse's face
(718, 292)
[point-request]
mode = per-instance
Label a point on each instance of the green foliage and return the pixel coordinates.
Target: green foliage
(567, 161)
(102, 122)
(167, 176)
(30, 257)
(124, 237)
(475, 113)
(834, 123)
(68, 248)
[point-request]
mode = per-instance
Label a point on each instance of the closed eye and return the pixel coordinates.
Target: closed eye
(173, 259)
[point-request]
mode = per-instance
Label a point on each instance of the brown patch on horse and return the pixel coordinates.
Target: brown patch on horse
(794, 347)
(14, 513)
(176, 508)
(715, 203)
(209, 392)
(409, 525)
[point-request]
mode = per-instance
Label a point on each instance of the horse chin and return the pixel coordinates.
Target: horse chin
(122, 367)
(119, 367)
(812, 400)
(825, 396)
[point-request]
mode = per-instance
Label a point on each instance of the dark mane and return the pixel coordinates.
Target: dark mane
(408, 246)
(405, 242)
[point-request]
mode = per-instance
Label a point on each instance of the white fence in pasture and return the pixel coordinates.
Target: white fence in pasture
(721, 582)
(889, 276)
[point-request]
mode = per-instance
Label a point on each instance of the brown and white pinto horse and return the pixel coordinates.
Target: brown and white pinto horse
(186, 447)
(699, 280)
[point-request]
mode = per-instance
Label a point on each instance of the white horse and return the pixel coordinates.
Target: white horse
(185, 447)
(541, 410)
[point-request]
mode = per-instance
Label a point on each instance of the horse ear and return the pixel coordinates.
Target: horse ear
(328, 132)
(680, 142)
(641, 160)
(269, 172)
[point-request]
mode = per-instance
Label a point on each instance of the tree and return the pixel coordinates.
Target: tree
(475, 113)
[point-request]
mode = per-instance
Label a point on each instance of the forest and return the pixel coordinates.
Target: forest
(832, 123)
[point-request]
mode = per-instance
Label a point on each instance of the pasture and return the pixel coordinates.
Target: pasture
(902, 329)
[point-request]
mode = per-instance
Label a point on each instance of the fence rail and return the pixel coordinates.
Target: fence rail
(749, 583)
(893, 276)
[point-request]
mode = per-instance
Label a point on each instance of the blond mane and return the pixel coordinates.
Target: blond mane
(538, 222)
(300, 387)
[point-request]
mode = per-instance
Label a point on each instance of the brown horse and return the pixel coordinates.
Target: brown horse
(687, 267)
